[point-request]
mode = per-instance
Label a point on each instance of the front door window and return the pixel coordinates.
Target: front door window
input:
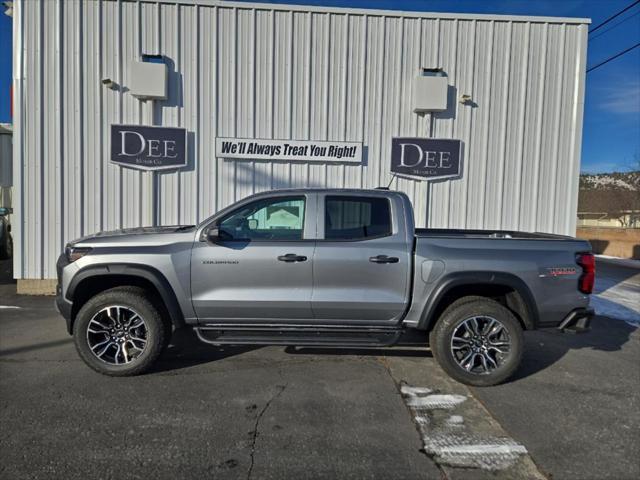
(270, 219)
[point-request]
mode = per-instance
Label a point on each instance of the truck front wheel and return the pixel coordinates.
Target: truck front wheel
(478, 342)
(119, 332)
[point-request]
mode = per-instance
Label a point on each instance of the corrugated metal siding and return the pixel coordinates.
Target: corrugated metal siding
(291, 73)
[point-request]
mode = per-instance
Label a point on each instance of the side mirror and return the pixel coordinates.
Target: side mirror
(213, 234)
(5, 211)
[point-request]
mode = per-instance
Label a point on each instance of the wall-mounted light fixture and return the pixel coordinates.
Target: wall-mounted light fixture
(110, 84)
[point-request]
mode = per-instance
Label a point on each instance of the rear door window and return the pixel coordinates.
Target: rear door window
(356, 218)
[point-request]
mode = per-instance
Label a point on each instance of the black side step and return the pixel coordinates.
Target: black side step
(298, 335)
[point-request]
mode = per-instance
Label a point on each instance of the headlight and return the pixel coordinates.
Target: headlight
(74, 253)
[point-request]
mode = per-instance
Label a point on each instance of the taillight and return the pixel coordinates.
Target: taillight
(588, 278)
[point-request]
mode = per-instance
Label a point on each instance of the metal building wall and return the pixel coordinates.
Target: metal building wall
(268, 71)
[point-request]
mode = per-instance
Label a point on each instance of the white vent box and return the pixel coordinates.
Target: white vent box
(148, 79)
(429, 93)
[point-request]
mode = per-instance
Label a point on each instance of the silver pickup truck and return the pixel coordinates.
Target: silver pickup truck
(323, 267)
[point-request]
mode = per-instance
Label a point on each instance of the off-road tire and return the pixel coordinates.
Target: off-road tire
(156, 300)
(455, 315)
(6, 250)
(137, 299)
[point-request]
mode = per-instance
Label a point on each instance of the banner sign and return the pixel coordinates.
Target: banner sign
(297, 150)
(148, 148)
(426, 158)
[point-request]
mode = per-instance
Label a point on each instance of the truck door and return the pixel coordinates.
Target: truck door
(260, 267)
(362, 260)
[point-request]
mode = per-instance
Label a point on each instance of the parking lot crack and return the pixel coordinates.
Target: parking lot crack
(281, 388)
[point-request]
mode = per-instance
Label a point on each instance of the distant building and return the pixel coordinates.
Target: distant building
(626, 219)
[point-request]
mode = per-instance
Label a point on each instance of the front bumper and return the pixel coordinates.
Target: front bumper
(64, 307)
(578, 321)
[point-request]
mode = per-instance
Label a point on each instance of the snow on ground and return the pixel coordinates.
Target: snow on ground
(617, 299)
(623, 262)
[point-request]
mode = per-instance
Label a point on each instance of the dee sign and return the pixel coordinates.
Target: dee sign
(148, 148)
(426, 158)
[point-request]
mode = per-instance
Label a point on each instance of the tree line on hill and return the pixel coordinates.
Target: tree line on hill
(610, 195)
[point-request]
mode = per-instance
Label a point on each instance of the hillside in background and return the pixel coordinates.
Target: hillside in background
(613, 194)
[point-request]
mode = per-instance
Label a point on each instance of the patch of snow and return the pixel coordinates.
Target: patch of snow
(455, 420)
(408, 391)
(620, 300)
(462, 448)
(422, 420)
(440, 401)
(449, 441)
(604, 306)
(483, 449)
(623, 262)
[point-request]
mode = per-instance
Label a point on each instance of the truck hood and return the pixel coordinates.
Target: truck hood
(134, 235)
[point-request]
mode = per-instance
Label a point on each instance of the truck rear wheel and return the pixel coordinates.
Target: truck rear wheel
(477, 341)
(119, 332)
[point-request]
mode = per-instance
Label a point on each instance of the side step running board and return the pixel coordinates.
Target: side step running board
(298, 335)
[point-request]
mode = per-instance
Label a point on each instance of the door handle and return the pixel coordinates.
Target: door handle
(292, 257)
(384, 259)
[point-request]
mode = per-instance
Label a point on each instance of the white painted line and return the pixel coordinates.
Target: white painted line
(8, 307)
(434, 401)
(483, 449)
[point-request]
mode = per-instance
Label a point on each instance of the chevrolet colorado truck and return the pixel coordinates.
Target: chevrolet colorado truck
(322, 267)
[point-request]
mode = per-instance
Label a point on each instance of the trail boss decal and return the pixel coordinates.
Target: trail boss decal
(306, 151)
(148, 148)
(559, 271)
(425, 158)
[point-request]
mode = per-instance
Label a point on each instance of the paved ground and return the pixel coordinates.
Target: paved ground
(303, 413)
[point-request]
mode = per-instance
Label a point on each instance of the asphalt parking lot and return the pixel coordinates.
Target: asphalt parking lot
(278, 412)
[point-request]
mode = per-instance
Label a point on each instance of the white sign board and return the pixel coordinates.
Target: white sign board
(297, 150)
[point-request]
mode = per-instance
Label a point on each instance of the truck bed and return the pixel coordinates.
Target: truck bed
(499, 234)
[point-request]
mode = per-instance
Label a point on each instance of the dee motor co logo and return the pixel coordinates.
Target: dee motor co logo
(148, 148)
(426, 158)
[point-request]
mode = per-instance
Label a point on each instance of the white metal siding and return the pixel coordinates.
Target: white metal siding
(286, 72)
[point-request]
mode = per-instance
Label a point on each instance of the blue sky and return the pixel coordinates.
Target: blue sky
(611, 138)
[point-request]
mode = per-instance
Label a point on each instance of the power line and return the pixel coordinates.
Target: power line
(614, 57)
(614, 26)
(614, 16)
